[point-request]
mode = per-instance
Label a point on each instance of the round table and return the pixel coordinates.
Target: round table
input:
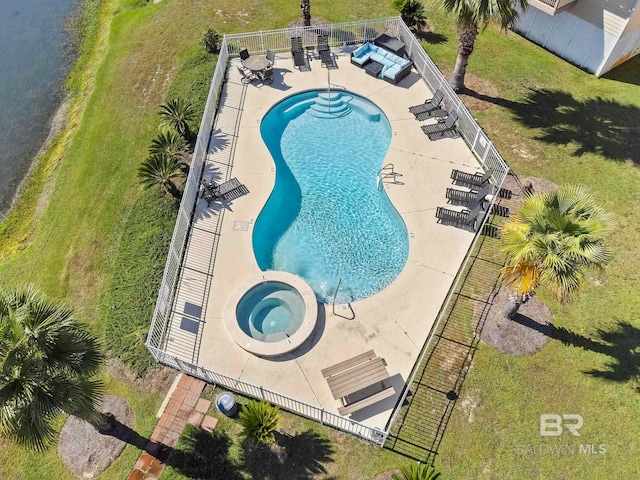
(256, 63)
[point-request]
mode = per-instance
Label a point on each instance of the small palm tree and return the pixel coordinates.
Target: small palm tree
(259, 420)
(413, 13)
(171, 143)
(161, 169)
(211, 40)
(305, 6)
(177, 113)
(47, 361)
(470, 16)
(551, 240)
(417, 472)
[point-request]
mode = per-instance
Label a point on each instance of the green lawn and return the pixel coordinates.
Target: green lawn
(554, 121)
(550, 120)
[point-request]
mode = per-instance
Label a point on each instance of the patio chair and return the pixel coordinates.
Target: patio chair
(461, 219)
(229, 190)
(297, 52)
(247, 76)
(440, 129)
(324, 51)
(267, 76)
(271, 57)
(429, 104)
(471, 180)
(470, 198)
(434, 113)
(244, 54)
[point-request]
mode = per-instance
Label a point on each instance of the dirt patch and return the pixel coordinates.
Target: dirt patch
(85, 451)
(388, 475)
(469, 404)
(481, 94)
(158, 379)
(525, 335)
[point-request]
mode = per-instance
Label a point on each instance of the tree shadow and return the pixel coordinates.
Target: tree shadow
(291, 457)
(621, 344)
(203, 455)
(594, 125)
(432, 37)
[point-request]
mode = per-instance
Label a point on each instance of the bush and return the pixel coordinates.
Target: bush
(259, 421)
(211, 40)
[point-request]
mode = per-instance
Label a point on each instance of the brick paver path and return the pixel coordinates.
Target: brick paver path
(178, 411)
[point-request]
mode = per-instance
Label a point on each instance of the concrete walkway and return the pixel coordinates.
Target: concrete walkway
(183, 407)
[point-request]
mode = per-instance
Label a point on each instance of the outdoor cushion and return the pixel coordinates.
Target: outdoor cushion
(362, 59)
(376, 57)
(391, 71)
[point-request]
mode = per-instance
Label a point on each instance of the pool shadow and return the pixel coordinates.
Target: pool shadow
(310, 342)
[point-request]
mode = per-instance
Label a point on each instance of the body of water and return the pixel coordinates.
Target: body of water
(32, 68)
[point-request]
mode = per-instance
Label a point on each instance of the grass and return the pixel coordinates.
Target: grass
(554, 121)
(306, 450)
(73, 240)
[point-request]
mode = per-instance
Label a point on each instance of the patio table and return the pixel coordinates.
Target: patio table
(256, 63)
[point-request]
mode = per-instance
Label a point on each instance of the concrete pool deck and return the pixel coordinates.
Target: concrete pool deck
(396, 322)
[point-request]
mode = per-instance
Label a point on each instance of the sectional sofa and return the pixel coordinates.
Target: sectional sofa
(394, 68)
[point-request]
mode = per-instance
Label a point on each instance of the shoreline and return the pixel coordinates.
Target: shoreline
(57, 125)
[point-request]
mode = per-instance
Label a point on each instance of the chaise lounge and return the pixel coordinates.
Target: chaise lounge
(470, 198)
(229, 190)
(471, 180)
(428, 105)
(464, 219)
(297, 52)
(394, 68)
(441, 129)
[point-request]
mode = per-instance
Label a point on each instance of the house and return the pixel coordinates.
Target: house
(595, 35)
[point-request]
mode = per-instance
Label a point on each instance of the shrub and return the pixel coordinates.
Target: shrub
(259, 421)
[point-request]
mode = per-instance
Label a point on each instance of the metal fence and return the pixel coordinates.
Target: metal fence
(278, 41)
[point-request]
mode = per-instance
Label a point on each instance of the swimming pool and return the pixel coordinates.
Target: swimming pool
(328, 219)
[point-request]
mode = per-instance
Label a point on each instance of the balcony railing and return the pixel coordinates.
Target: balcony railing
(551, 7)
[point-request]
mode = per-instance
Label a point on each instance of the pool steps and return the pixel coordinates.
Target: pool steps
(332, 105)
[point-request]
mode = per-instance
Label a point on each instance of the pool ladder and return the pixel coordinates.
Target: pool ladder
(388, 172)
(353, 314)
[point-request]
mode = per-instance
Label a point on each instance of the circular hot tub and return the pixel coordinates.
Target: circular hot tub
(272, 313)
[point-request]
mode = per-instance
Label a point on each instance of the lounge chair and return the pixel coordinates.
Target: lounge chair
(324, 51)
(470, 198)
(434, 113)
(244, 54)
(247, 76)
(429, 104)
(271, 57)
(463, 219)
(440, 129)
(228, 190)
(471, 180)
(297, 52)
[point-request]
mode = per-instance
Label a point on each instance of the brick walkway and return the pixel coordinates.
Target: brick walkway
(184, 406)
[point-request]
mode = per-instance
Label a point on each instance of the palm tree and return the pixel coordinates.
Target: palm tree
(552, 240)
(211, 40)
(47, 360)
(417, 472)
(471, 15)
(161, 169)
(171, 143)
(177, 113)
(413, 13)
(305, 6)
(259, 421)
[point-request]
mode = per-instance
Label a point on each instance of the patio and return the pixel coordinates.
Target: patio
(396, 322)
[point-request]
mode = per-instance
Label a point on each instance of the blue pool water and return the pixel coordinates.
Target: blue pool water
(328, 218)
(270, 311)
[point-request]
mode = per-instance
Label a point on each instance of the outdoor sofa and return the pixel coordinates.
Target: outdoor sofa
(394, 68)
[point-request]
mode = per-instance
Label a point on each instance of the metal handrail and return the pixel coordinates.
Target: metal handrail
(333, 306)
